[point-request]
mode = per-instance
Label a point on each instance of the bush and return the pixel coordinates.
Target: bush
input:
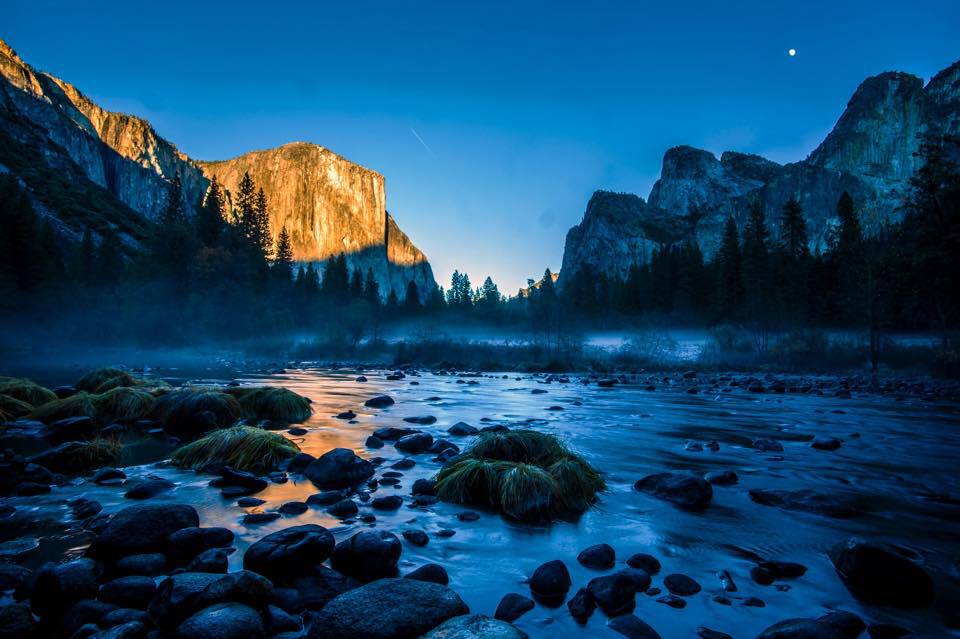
(26, 391)
(523, 474)
(271, 402)
(79, 405)
(192, 412)
(242, 447)
(122, 403)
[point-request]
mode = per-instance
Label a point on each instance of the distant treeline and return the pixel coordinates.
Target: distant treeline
(219, 275)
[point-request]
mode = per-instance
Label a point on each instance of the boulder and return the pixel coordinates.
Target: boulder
(684, 490)
(474, 627)
(380, 401)
(187, 543)
(838, 506)
(550, 582)
(598, 557)
(632, 627)
(16, 622)
(615, 594)
(223, 621)
(143, 528)
(581, 605)
(129, 592)
(802, 629)
(462, 429)
(368, 555)
(149, 487)
(415, 443)
(681, 585)
(290, 552)
(881, 574)
(214, 560)
(149, 564)
(322, 585)
(645, 562)
(434, 573)
(175, 598)
(414, 608)
(57, 586)
(338, 468)
(513, 606)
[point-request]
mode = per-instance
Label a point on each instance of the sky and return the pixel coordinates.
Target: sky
(492, 122)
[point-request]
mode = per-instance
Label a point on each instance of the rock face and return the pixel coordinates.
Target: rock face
(869, 153)
(120, 169)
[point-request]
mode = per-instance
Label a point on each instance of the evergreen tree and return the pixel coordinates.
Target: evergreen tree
(283, 257)
(792, 266)
(392, 301)
(755, 267)
(260, 229)
(489, 295)
(18, 236)
(371, 290)
(848, 260)
(173, 213)
(793, 231)
(727, 265)
(244, 210)
(411, 301)
(356, 283)
(209, 221)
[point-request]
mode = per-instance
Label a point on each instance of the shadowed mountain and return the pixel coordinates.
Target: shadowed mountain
(870, 153)
(86, 166)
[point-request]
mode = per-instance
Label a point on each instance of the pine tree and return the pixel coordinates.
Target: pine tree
(260, 229)
(730, 285)
(489, 295)
(18, 236)
(209, 221)
(356, 283)
(244, 210)
(849, 261)
(756, 273)
(454, 290)
(173, 212)
(392, 301)
(371, 290)
(411, 300)
(283, 256)
(793, 231)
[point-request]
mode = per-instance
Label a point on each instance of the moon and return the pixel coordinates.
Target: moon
(791, 52)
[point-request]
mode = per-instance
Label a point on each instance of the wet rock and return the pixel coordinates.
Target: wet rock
(13, 577)
(707, 633)
(434, 573)
(250, 502)
(417, 607)
(290, 552)
(368, 555)
(122, 616)
(344, 508)
(390, 433)
(214, 561)
(768, 445)
(347, 414)
(722, 477)
(726, 581)
(550, 582)
(762, 576)
(673, 601)
(754, 602)
(444, 446)
(29, 489)
(837, 506)
(784, 569)
(424, 487)
(373, 442)
(682, 585)
(826, 443)
(276, 620)
(253, 519)
(468, 515)
(129, 592)
(299, 462)
(415, 443)
(389, 502)
(474, 627)
(150, 564)
(325, 498)
(687, 491)
(380, 401)
(83, 508)
(57, 586)
(293, 508)
(140, 529)
(847, 623)
(243, 479)
(581, 605)
(598, 557)
(16, 622)
(176, 596)
(645, 562)
(882, 574)
(86, 611)
(338, 468)
(71, 429)
(416, 537)
(187, 543)
(223, 621)
(615, 594)
(361, 379)
(424, 420)
(632, 627)
(316, 589)
(801, 629)
(147, 488)
(462, 429)
(513, 606)
(246, 587)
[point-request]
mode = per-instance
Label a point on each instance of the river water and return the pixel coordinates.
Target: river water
(902, 456)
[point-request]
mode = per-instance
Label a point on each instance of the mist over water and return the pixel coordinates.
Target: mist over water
(899, 456)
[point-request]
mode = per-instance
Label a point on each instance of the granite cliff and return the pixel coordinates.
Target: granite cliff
(86, 166)
(870, 153)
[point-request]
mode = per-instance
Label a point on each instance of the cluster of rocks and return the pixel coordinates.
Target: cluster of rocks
(153, 571)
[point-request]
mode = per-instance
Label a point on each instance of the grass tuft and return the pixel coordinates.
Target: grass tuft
(26, 391)
(242, 447)
(192, 412)
(12, 408)
(525, 475)
(79, 405)
(271, 402)
(103, 379)
(122, 403)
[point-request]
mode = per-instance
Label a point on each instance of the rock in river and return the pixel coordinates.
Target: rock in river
(143, 528)
(415, 443)
(380, 401)
(802, 629)
(368, 555)
(223, 621)
(882, 574)
(338, 468)
(475, 627)
(838, 506)
(598, 557)
(550, 582)
(388, 609)
(633, 627)
(687, 491)
(290, 552)
(513, 606)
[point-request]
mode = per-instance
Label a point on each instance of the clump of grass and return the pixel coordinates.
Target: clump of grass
(122, 403)
(79, 405)
(103, 379)
(271, 402)
(525, 475)
(12, 408)
(192, 412)
(242, 447)
(26, 391)
(99, 452)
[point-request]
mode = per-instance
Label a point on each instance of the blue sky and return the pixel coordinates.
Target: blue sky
(492, 122)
